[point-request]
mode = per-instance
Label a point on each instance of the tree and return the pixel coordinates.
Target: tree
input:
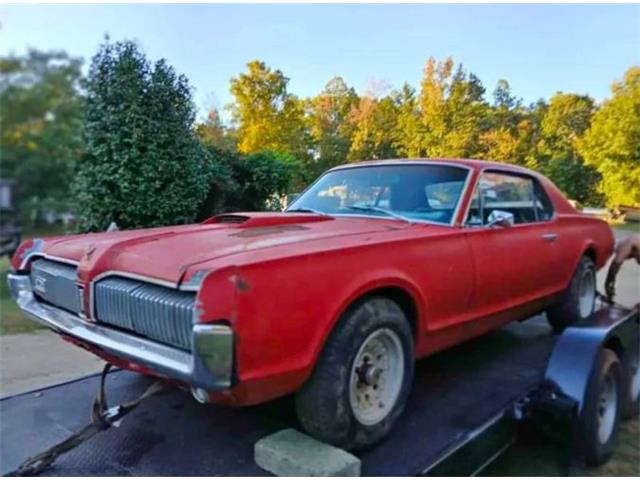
(143, 166)
(213, 133)
(498, 145)
(408, 129)
(327, 116)
(373, 120)
(267, 115)
(453, 111)
(248, 182)
(41, 113)
(612, 143)
(565, 121)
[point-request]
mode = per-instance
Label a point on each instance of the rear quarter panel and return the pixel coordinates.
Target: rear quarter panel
(578, 234)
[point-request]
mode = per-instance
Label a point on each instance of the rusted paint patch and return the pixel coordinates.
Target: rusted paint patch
(240, 283)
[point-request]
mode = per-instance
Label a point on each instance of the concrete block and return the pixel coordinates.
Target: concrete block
(289, 453)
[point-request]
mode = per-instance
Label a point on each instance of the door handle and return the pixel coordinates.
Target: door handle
(550, 237)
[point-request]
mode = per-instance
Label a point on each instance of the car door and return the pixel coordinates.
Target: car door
(511, 262)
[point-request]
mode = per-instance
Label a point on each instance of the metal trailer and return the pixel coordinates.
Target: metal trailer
(468, 405)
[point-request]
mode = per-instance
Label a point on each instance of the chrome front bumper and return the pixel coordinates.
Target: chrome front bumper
(209, 366)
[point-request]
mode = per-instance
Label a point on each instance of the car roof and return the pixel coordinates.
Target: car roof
(461, 162)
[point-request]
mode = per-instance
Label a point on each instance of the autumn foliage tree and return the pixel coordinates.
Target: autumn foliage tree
(142, 160)
(327, 118)
(268, 116)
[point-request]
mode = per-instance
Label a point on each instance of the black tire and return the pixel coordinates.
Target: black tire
(567, 311)
(323, 403)
(599, 448)
(631, 391)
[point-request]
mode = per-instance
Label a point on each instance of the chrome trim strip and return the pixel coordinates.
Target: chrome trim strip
(209, 367)
(134, 276)
(53, 258)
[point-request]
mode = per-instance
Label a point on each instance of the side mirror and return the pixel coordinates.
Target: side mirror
(500, 218)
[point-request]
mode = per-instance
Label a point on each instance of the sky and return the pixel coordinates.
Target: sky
(539, 49)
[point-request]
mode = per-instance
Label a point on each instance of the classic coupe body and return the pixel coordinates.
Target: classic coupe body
(374, 265)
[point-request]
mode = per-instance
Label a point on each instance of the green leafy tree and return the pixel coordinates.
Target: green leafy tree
(453, 111)
(612, 143)
(327, 116)
(373, 120)
(502, 139)
(144, 165)
(268, 117)
(567, 118)
(408, 130)
(212, 132)
(251, 182)
(41, 113)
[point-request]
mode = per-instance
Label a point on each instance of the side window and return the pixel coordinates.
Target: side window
(511, 193)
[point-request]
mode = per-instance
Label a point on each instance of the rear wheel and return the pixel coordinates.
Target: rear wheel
(601, 415)
(578, 302)
(361, 382)
(631, 393)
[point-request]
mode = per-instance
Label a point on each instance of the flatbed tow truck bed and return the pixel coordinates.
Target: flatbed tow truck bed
(455, 393)
(458, 395)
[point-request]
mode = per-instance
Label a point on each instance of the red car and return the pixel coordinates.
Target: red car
(374, 265)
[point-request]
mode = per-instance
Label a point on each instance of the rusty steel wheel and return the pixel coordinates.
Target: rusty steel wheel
(362, 379)
(376, 376)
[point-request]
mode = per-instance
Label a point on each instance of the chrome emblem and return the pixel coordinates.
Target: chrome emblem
(40, 284)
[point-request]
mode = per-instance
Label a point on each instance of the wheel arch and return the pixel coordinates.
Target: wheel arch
(397, 289)
(398, 295)
(591, 252)
(573, 357)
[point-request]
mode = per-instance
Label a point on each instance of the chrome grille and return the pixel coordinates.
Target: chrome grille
(159, 313)
(55, 283)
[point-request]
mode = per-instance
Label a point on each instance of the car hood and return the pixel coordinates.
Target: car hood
(167, 253)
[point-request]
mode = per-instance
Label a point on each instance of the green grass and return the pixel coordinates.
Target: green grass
(547, 459)
(12, 320)
(630, 226)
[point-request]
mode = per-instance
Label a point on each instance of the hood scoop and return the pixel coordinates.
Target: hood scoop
(226, 218)
(265, 219)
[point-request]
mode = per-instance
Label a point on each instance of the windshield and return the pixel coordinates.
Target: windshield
(428, 193)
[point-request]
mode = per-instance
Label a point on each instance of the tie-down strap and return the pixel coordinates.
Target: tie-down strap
(102, 418)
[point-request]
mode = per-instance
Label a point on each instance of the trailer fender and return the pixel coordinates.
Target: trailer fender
(573, 358)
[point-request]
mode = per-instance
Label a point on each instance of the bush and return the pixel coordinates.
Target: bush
(248, 182)
(143, 165)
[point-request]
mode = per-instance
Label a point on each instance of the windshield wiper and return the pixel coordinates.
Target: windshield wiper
(306, 210)
(371, 208)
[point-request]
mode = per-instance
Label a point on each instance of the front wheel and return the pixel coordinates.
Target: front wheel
(578, 302)
(361, 382)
